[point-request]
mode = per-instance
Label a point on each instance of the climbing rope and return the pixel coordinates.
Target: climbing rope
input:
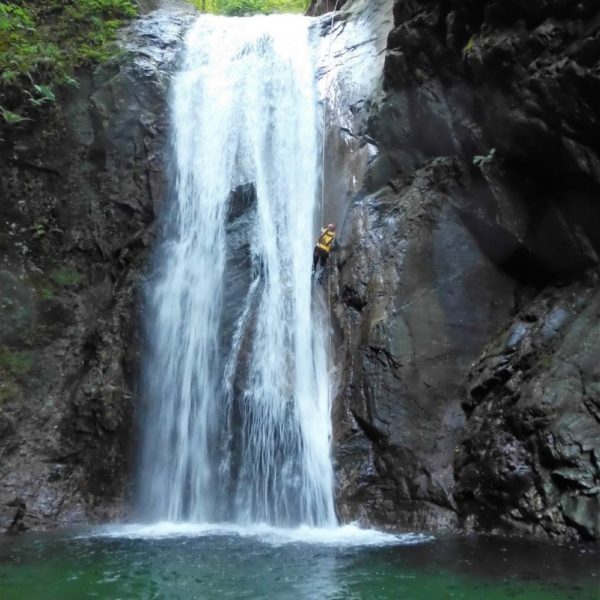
(326, 104)
(324, 138)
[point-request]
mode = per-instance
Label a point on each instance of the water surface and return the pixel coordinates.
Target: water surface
(207, 563)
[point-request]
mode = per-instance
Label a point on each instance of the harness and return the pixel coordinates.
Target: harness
(326, 239)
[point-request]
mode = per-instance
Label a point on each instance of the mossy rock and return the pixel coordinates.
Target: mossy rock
(10, 391)
(16, 363)
(16, 307)
(65, 277)
(46, 293)
(42, 42)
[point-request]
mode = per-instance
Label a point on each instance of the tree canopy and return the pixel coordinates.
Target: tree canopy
(243, 7)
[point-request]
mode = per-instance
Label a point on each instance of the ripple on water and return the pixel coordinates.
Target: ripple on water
(176, 561)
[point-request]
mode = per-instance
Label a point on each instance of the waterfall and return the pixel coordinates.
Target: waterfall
(236, 375)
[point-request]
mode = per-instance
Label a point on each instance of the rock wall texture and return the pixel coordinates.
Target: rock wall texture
(465, 298)
(465, 295)
(80, 188)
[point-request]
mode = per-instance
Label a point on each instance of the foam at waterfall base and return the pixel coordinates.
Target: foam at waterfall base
(343, 536)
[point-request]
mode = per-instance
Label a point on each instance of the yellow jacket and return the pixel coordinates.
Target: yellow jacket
(326, 239)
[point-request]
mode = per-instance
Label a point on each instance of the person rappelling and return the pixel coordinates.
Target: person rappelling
(324, 246)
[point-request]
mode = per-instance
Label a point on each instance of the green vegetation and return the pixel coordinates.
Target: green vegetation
(46, 293)
(470, 46)
(9, 390)
(480, 160)
(245, 7)
(43, 41)
(15, 363)
(66, 276)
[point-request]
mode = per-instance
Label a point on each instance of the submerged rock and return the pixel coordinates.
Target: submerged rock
(17, 525)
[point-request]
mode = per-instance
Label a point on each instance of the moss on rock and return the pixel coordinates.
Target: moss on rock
(65, 276)
(9, 391)
(42, 42)
(16, 363)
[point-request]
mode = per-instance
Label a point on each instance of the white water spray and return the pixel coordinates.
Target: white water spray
(238, 425)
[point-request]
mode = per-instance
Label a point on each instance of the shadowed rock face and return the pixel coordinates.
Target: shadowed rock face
(514, 86)
(80, 189)
(480, 194)
(528, 459)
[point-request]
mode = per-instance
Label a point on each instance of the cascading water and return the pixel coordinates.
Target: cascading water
(238, 424)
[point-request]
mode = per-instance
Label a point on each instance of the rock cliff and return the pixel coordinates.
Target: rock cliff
(80, 188)
(465, 293)
(465, 297)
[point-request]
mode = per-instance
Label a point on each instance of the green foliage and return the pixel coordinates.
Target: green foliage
(470, 46)
(38, 230)
(15, 363)
(66, 276)
(13, 16)
(246, 7)
(480, 160)
(46, 293)
(44, 94)
(10, 117)
(43, 41)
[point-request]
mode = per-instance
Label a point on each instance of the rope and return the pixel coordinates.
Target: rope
(324, 136)
(327, 86)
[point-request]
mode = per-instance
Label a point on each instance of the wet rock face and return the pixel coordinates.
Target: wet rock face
(239, 231)
(418, 299)
(528, 459)
(480, 195)
(320, 7)
(80, 189)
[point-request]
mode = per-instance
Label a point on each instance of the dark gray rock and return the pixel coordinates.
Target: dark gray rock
(16, 307)
(467, 185)
(480, 191)
(17, 525)
(417, 300)
(240, 268)
(81, 186)
(528, 460)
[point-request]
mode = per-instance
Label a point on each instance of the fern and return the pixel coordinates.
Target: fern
(45, 94)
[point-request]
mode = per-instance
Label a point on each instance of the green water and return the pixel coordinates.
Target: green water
(67, 566)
